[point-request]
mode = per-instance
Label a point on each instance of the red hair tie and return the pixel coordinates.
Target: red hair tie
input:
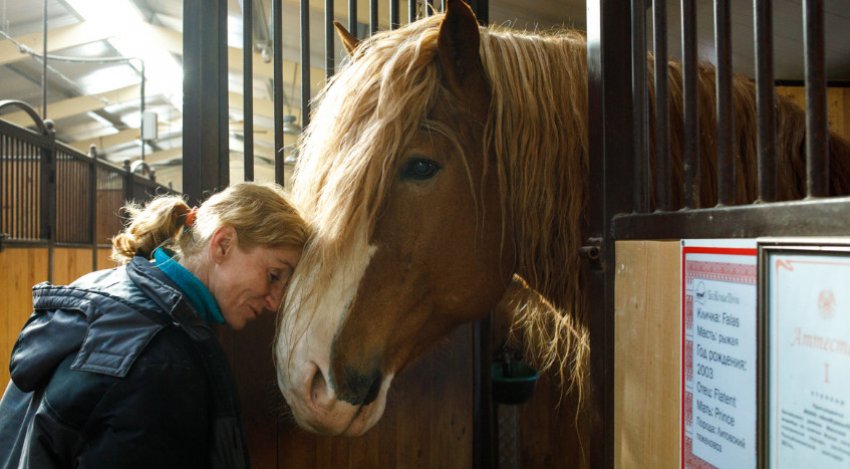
(190, 217)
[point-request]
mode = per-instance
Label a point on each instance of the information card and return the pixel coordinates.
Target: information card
(808, 313)
(719, 367)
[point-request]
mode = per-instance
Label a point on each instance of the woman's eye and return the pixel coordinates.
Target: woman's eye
(419, 169)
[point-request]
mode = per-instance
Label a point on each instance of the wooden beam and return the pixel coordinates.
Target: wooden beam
(173, 42)
(79, 105)
(107, 141)
(59, 38)
(164, 155)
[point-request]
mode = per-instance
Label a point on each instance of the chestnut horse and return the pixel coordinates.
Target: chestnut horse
(443, 161)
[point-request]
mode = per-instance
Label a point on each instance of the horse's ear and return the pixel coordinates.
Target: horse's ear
(348, 40)
(457, 47)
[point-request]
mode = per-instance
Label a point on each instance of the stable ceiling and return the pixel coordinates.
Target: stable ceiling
(97, 103)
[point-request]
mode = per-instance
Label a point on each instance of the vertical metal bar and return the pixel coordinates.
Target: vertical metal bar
(480, 7)
(725, 123)
(394, 15)
(49, 185)
(26, 210)
(248, 88)
(18, 185)
(206, 152)
(610, 178)
(690, 68)
(429, 7)
(305, 63)
(766, 140)
(329, 39)
(663, 173)
(640, 92)
(373, 16)
(352, 17)
(4, 199)
(277, 44)
(92, 174)
(411, 11)
(817, 169)
(44, 63)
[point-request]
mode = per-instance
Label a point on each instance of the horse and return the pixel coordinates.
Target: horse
(445, 172)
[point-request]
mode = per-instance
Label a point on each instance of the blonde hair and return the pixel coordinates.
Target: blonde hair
(260, 214)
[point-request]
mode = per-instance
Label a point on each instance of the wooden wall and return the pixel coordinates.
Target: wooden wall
(427, 422)
(646, 354)
(837, 102)
(20, 269)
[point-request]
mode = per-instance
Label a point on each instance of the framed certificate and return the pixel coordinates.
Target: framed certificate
(805, 360)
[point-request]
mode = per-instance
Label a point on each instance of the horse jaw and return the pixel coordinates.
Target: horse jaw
(303, 347)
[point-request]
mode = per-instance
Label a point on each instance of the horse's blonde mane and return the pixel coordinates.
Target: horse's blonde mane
(538, 132)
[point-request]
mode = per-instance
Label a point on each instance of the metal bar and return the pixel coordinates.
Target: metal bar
(206, 152)
(725, 123)
(394, 15)
(49, 185)
(482, 402)
(640, 96)
(480, 7)
(305, 63)
(429, 7)
(352, 17)
(690, 69)
(92, 174)
(277, 45)
(4, 196)
(609, 65)
(44, 62)
(663, 172)
(248, 89)
(19, 204)
(765, 101)
(373, 16)
(817, 168)
(329, 39)
(821, 217)
(411, 11)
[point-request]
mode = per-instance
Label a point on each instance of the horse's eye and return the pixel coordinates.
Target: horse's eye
(419, 169)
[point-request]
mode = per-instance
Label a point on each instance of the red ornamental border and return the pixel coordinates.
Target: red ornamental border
(721, 271)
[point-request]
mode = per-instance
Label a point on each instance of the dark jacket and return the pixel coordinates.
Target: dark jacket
(116, 370)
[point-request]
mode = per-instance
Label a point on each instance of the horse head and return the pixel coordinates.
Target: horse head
(410, 235)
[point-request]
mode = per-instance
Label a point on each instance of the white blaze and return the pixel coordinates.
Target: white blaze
(307, 333)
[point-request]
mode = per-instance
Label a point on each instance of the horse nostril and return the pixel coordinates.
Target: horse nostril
(318, 387)
(359, 389)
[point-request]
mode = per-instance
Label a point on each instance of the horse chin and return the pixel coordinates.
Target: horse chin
(331, 416)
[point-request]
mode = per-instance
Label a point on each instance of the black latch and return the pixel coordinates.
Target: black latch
(592, 248)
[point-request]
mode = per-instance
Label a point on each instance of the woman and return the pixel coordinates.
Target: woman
(121, 368)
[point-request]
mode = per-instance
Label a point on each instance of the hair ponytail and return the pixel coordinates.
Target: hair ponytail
(157, 223)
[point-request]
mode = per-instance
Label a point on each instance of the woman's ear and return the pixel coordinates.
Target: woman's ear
(222, 242)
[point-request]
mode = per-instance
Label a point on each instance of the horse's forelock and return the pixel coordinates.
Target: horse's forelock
(363, 119)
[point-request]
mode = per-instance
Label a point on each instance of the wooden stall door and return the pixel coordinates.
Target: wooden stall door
(646, 353)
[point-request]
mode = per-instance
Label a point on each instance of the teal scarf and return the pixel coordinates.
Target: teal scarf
(193, 289)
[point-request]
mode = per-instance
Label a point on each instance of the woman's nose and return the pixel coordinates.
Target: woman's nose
(273, 299)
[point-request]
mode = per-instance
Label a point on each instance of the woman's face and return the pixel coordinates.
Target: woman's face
(247, 283)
